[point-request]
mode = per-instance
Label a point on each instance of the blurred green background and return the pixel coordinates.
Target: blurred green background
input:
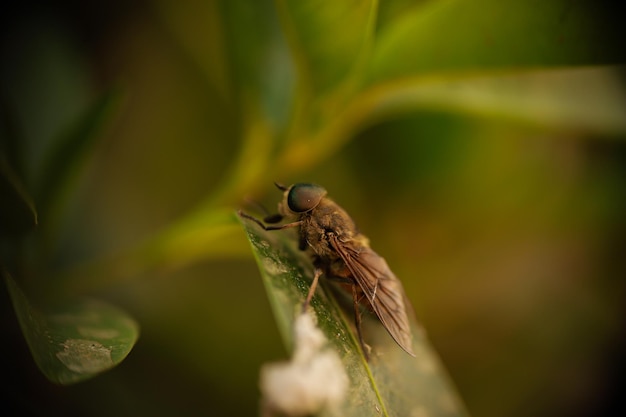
(479, 144)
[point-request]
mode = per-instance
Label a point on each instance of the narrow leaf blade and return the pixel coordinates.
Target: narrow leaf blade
(287, 284)
(460, 35)
(260, 65)
(327, 47)
(392, 383)
(71, 149)
(555, 98)
(17, 211)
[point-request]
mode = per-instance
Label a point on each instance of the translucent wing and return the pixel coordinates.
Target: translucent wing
(381, 287)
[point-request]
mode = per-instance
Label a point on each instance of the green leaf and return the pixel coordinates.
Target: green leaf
(329, 39)
(201, 235)
(197, 26)
(260, 64)
(392, 383)
(65, 158)
(17, 211)
(474, 35)
(554, 98)
(77, 341)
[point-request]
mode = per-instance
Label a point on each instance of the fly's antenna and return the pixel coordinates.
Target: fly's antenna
(280, 186)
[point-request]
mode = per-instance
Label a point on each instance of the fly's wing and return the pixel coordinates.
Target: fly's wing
(382, 289)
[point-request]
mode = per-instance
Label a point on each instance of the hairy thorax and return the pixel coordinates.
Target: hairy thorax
(322, 223)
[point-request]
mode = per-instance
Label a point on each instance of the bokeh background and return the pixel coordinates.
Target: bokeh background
(479, 146)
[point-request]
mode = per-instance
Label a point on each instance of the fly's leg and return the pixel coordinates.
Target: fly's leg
(357, 321)
(269, 219)
(355, 298)
(312, 288)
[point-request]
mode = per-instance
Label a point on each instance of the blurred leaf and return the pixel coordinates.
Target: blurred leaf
(199, 236)
(442, 36)
(392, 383)
(17, 211)
(329, 39)
(46, 83)
(589, 99)
(330, 56)
(197, 25)
(260, 64)
(455, 55)
(75, 342)
(71, 149)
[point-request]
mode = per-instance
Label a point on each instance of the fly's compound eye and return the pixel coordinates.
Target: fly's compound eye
(304, 197)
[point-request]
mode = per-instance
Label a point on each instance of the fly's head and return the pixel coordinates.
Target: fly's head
(300, 198)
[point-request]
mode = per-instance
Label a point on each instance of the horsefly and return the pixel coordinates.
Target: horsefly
(341, 253)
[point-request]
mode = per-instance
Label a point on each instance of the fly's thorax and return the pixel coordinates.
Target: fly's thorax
(335, 219)
(325, 221)
(360, 240)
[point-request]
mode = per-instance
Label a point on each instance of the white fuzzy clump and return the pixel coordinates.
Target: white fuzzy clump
(313, 379)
